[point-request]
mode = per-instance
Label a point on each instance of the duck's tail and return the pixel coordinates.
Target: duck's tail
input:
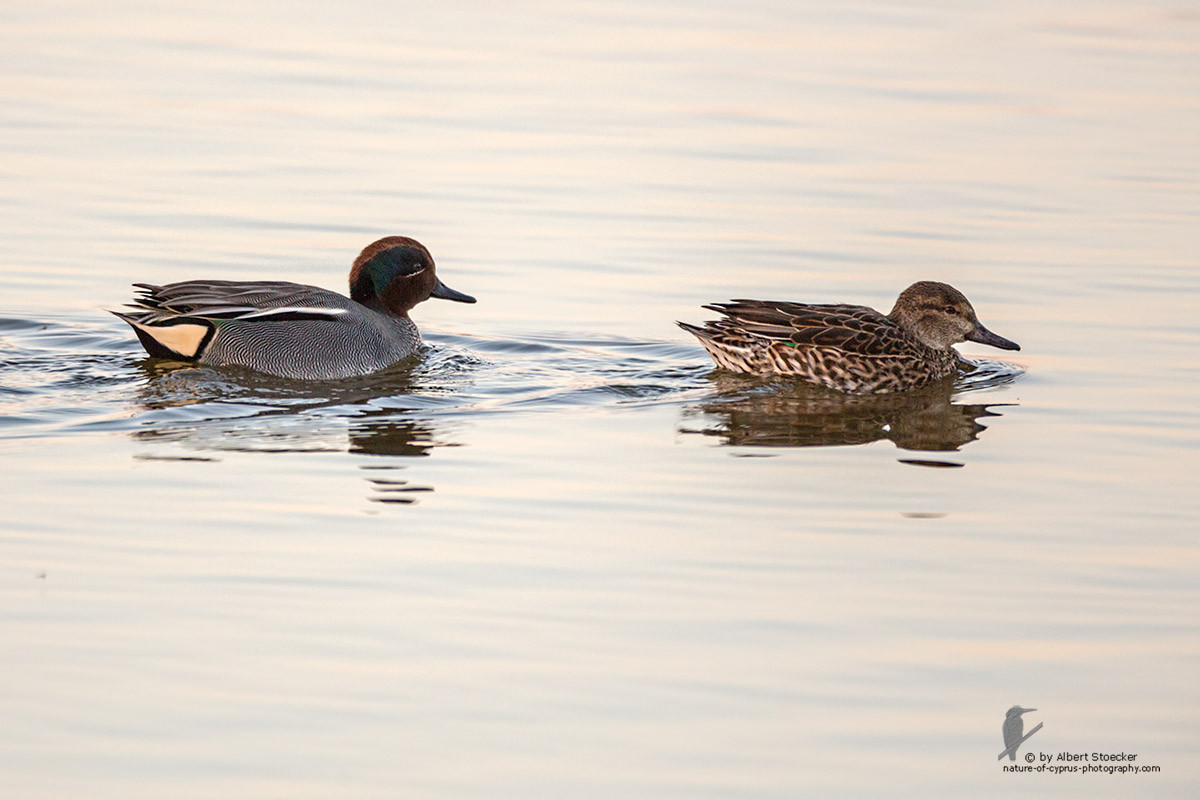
(178, 338)
(701, 333)
(728, 349)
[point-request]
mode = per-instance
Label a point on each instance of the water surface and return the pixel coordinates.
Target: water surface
(560, 555)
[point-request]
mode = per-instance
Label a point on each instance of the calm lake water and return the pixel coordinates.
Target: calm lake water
(561, 556)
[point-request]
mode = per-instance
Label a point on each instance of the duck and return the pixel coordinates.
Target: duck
(848, 348)
(292, 330)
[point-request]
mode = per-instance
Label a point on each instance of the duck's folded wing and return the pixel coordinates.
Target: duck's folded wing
(181, 320)
(245, 300)
(853, 329)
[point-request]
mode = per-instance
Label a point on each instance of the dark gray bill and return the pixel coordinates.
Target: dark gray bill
(444, 292)
(984, 336)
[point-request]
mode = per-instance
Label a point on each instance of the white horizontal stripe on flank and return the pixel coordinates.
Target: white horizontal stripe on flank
(270, 312)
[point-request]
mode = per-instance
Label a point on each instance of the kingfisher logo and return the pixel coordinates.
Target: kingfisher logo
(1013, 729)
(1064, 762)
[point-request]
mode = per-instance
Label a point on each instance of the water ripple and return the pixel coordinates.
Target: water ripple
(69, 375)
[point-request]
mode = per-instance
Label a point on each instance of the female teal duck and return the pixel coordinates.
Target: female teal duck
(292, 330)
(852, 349)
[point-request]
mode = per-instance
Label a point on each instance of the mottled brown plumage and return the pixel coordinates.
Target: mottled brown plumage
(849, 348)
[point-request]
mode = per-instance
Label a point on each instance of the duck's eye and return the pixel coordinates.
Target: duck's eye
(950, 310)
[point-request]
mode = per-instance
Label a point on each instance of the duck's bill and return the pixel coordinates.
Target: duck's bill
(444, 292)
(984, 336)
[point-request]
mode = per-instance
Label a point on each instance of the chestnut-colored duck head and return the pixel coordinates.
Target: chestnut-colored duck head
(394, 274)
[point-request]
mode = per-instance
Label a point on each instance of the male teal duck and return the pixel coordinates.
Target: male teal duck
(853, 349)
(291, 330)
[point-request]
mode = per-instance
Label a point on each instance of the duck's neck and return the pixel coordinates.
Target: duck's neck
(905, 319)
(376, 303)
(908, 322)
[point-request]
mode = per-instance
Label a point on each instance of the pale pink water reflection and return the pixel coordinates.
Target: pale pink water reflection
(618, 577)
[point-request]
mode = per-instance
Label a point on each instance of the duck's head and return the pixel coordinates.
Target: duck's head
(938, 315)
(395, 273)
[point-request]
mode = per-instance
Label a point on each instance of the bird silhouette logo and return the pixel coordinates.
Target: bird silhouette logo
(1013, 728)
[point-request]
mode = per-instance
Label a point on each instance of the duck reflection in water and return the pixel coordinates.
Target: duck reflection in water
(755, 413)
(216, 411)
(393, 437)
